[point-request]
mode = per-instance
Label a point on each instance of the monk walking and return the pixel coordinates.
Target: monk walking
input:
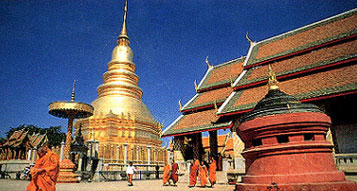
(212, 172)
(203, 174)
(44, 173)
(193, 173)
(174, 172)
(166, 175)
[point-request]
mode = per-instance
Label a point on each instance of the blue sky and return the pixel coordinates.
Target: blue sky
(45, 45)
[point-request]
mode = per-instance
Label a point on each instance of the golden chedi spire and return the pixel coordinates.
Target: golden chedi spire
(123, 33)
(120, 92)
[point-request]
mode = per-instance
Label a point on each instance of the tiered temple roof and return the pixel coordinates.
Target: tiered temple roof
(314, 62)
(22, 138)
(199, 114)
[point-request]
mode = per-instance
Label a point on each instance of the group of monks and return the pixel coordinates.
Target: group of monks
(170, 173)
(44, 173)
(200, 169)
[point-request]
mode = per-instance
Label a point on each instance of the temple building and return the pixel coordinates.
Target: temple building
(20, 150)
(122, 129)
(315, 63)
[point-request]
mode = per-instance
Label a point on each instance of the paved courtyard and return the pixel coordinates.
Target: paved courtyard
(143, 185)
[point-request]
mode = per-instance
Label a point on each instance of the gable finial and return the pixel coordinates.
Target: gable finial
(180, 105)
(249, 40)
(196, 87)
(208, 64)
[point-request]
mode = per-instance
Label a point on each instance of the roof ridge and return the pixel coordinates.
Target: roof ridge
(352, 12)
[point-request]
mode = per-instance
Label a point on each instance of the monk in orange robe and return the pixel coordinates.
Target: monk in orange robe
(212, 172)
(166, 175)
(203, 174)
(174, 169)
(193, 173)
(44, 173)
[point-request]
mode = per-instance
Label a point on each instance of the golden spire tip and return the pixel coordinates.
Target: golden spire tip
(123, 32)
(73, 90)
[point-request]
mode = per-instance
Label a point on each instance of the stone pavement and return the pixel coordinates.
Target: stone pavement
(139, 185)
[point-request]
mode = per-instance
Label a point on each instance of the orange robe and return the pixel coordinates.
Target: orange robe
(203, 175)
(193, 173)
(174, 175)
(166, 175)
(212, 172)
(45, 180)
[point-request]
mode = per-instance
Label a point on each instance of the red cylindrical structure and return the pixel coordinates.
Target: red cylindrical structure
(286, 147)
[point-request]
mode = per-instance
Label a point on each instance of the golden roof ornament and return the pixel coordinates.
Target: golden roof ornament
(180, 105)
(272, 81)
(196, 87)
(208, 64)
(249, 40)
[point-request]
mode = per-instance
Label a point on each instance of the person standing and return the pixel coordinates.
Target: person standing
(44, 173)
(212, 172)
(174, 172)
(130, 170)
(193, 173)
(157, 167)
(203, 174)
(166, 175)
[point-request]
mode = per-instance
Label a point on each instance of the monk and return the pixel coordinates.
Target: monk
(212, 172)
(166, 175)
(203, 174)
(44, 173)
(174, 172)
(193, 173)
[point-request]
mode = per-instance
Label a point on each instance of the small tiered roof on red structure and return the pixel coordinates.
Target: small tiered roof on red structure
(199, 114)
(314, 62)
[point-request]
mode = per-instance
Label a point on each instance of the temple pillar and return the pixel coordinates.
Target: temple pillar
(149, 154)
(29, 154)
(213, 144)
(118, 153)
(34, 155)
(125, 152)
(62, 150)
(197, 146)
(80, 162)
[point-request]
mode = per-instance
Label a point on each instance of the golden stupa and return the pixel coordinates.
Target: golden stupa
(121, 122)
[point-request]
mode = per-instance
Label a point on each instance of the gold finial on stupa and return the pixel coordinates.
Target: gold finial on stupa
(123, 33)
(249, 40)
(208, 64)
(73, 90)
(273, 82)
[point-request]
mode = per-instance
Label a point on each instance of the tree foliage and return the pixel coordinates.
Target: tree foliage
(54, 134)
